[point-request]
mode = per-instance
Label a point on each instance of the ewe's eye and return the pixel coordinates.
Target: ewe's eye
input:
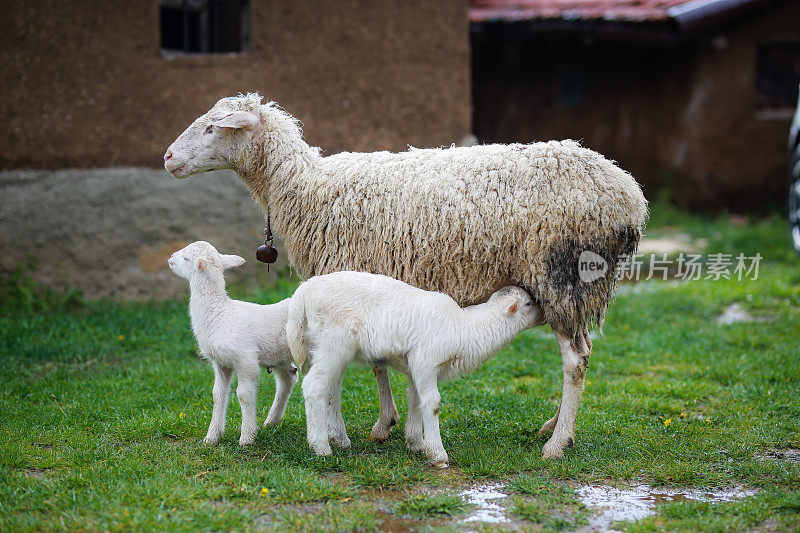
(210, 129)
(185, 258)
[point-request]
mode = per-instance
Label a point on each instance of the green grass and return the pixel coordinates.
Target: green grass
(105, 404)
(427, 505)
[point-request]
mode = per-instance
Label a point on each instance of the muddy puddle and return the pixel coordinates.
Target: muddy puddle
(639, 501)
(486, 508)
(735, 313)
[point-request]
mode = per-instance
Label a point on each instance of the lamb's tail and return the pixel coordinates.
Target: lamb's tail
(295, 326)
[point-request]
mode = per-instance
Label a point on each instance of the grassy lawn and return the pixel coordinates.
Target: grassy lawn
(104, 406)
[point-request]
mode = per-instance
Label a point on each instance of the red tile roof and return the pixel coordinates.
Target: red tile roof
(612, 10)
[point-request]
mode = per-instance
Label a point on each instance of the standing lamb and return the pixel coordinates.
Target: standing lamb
(345, 316)
(235, 335)
(244, 336)
(462, 221)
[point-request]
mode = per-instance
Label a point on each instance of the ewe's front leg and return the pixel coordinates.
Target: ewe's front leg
(222, 387)
(574, 362)
(387, 410)
(285, 378)
(247, 392)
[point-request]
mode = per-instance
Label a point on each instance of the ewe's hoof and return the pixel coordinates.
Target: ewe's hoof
(379, 434)
(554, 449)
(343, 443)
(247, 442)
(271, 422)
(322, 450)
(441, 465)
(211, 441)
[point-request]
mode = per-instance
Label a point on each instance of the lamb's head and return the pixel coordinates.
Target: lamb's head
(201, 258)
(517, 305)
(218, 139)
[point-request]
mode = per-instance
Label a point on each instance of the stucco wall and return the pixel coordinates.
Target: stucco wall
(83, 83)
(110, 232)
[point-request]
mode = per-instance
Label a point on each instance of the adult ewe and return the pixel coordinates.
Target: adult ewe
(463, 221)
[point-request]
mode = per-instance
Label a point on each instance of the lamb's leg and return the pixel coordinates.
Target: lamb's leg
(336, 428)
(429, 401)
(247, 392)
(315, 392)
(285, 378)
(574, 362)
(222, 387)
(414, 438)
(387, 409)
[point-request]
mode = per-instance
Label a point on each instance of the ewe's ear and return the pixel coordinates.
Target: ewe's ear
(513, 308)
(230, 261)
(237, 120)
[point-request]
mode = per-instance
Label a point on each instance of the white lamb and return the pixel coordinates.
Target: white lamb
(344, 316)
(235, 335)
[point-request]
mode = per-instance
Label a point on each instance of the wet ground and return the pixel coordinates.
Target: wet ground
(610, 504)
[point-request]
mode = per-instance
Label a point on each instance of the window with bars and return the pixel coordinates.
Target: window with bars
(204, 26)
(777, 77)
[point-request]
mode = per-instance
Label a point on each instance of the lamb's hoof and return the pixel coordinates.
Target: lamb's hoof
(439, 461)
(247, 440)
(271, 422)
(343, 443)
(322, 450)
(211, 441)
(415, 446)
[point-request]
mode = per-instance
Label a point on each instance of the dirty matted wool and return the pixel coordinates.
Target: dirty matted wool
(462, 220)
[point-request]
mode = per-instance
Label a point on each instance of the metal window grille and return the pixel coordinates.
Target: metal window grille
(205, 26)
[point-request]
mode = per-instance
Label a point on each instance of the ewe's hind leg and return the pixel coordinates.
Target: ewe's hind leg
(414, 437)
(574, 362)
(285, 378)
(336, 428)
(387, 410)
(247, 392)
(222, 387)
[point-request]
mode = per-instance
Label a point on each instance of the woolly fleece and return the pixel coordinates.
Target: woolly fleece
(464, 221)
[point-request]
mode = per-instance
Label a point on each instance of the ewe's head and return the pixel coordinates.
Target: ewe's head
(201, 258)
(516, 304)
(217, 140)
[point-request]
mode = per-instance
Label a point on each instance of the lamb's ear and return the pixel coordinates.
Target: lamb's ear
(237, 120)
(513, 308)
(201, 263)
(230, 261)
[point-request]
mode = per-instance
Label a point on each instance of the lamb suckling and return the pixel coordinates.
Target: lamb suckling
(345, 316)
(235, 335)
(462, 220)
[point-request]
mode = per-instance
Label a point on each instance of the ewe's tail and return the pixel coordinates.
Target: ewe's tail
(295, 324)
